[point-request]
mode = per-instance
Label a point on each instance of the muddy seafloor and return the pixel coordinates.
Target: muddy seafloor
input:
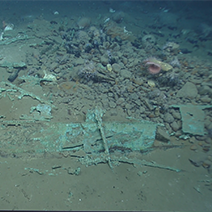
(75, 56)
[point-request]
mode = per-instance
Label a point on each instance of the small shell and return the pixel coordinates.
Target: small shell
(109, 67)
(151, 83)
(157, 111)
(49, 77)
(206, 165)
(193, 147)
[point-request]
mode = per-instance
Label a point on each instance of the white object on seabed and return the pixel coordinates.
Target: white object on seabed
(1, 36)
(111, 10)
(9, 27)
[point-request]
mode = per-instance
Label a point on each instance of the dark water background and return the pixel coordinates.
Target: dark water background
(174, 15)
(192, 13)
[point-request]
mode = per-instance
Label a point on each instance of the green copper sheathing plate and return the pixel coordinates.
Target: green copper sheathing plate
(61, 137)
(192, 118)
(57, 137)
(133, 136)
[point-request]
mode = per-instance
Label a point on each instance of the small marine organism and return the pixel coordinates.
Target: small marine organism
(171, 47)
(154, 68)
(170, 79)
(88, 47)
(88, 72)
(111, 59)
(155, 65)
(175, 63)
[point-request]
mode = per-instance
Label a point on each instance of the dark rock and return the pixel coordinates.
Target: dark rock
(14, 75)
(189, 90)
(168, 118)
(185, 51)
(125, 73)
(176, 115)
(175, 126)
(161, 135)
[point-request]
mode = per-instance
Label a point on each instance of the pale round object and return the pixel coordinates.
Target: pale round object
(151, 83)
(109, 67)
